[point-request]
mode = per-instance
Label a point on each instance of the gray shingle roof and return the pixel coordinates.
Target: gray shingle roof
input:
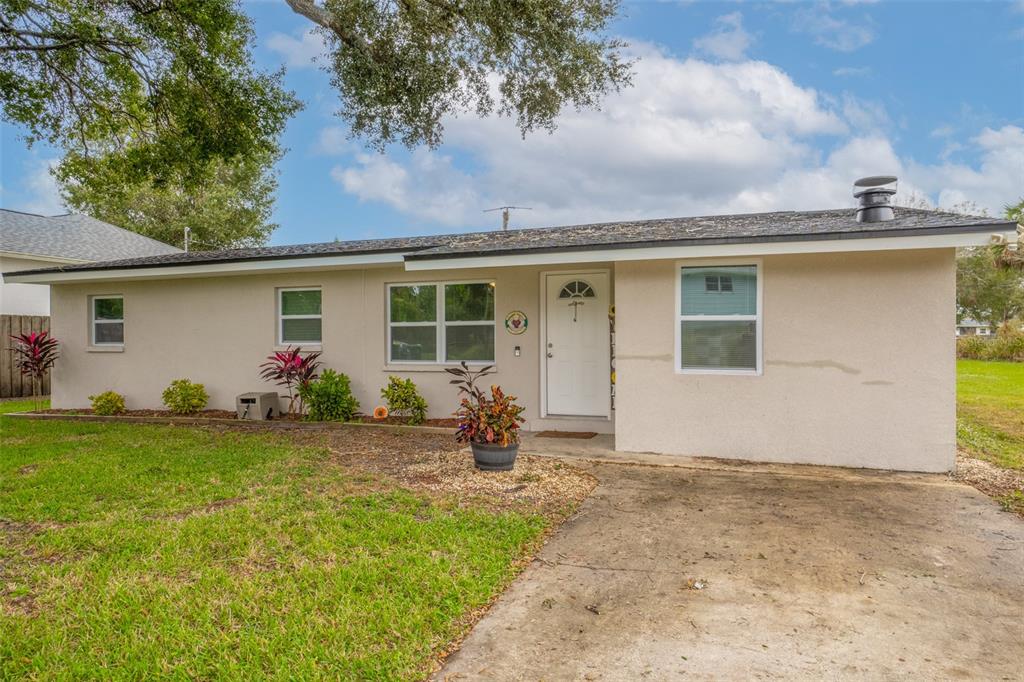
(74, 236)
(739, 228)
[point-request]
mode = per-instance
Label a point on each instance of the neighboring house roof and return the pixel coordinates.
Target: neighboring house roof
(970, 322)
(723, 229)
(74, 237)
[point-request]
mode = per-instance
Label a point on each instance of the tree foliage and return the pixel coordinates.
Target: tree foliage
(228, 207)
(159, 101)
(985, 291)
(990, 279)
(1012, 256)
(402, 66)
(160, 87)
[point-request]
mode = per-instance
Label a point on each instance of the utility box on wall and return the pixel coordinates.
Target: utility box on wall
(257, 406)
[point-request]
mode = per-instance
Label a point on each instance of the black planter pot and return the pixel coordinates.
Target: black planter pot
(491, 457)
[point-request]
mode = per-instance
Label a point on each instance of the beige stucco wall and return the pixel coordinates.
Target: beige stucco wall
(859, 365)
(218, 330)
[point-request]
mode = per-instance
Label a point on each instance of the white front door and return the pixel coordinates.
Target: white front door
(577, 355)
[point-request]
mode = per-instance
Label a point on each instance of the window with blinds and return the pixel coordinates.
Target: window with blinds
(719, 319)
(300, 316)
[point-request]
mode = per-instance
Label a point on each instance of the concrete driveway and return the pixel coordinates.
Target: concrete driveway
(803, 573)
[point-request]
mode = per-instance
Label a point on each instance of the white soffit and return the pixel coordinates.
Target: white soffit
(713, 251)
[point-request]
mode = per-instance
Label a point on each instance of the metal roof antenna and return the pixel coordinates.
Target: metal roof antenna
(504, 213)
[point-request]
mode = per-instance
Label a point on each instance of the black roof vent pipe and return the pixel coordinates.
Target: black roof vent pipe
(873, 198)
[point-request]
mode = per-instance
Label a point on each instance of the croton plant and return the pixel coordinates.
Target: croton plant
(491, 419)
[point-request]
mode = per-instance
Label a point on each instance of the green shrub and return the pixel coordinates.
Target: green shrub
(403, 398)
(1006, 345)
(185, 397)
(107, 403)
(971, 347)
(329, 398)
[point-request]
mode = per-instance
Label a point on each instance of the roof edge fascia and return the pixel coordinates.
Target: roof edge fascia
(218, 269)
(731, 249)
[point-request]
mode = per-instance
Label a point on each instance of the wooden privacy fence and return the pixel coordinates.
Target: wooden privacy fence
(12, 383)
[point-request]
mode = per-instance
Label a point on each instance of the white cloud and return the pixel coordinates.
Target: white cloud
(430, 187)
(865, 114)
(300, 52)
(333, 140)
(852, 71)
(44, 191)
(830, 31)
(942, 131)
(690, 138)
(997, 180)
(728, 41)
(686, 138)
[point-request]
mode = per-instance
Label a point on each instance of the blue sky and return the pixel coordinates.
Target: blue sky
(736, 106)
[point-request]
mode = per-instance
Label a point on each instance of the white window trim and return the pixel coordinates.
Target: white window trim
(758, 320)
(93, 321)
(440, 323)
(281, 317)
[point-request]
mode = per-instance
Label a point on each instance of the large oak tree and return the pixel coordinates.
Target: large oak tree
(159, 98)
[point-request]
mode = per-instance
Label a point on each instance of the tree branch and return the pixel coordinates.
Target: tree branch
(321, 17)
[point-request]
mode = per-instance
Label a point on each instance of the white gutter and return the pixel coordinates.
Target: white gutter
(353, 261)
(41, 257)
(936, 241)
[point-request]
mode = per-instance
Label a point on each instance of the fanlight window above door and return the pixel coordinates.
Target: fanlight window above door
(577, 289)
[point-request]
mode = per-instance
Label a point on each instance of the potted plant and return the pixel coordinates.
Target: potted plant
(489, 424)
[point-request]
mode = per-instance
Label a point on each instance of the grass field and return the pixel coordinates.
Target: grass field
(139, 552)
(990, 411)
(19, 405)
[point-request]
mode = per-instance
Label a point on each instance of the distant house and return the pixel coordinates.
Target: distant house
(29, 241)
(970, 327)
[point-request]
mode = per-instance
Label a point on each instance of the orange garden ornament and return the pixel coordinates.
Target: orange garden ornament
(380, 412)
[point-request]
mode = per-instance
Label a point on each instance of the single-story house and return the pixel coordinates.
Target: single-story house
(28, 240)
(971, 327)
(808, 337)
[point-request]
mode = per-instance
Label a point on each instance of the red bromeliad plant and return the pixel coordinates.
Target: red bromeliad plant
(481, 419)
(291, 369)
(34, 356)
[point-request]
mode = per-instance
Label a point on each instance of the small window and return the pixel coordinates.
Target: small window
(434, 323)
(107, 320)
(300, 318)
(719, 319)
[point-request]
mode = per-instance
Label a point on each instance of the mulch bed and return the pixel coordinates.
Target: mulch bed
(435, 464)
(448, 422)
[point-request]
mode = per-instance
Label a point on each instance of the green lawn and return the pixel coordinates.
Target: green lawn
(990, 411)
(138, 552)
(8, 406)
